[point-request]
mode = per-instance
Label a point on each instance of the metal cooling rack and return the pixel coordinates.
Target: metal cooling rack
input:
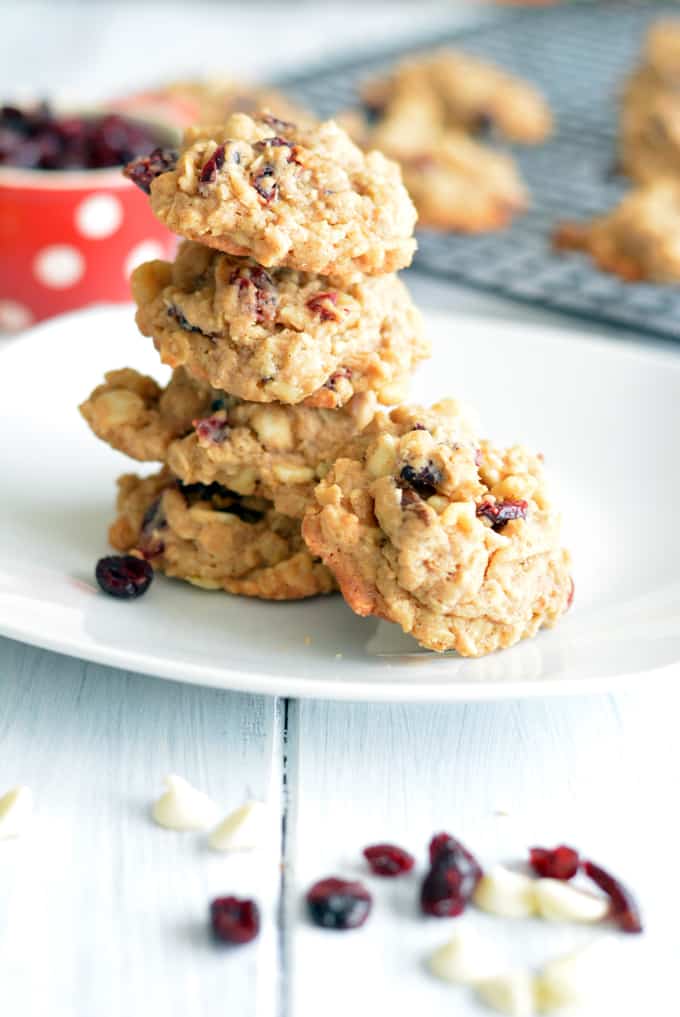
(579, 57)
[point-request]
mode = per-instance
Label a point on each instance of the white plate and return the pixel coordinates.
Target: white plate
(606, 415)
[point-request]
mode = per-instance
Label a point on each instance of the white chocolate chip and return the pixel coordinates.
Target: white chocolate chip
(501, 891)
(208, 516)
(570, 980)
(241, 830)
(465, 959)
(290, 474)
(511, 993)
(559, 901)
(382, 459)
(16, 809)
(273, 428)
(183, 807)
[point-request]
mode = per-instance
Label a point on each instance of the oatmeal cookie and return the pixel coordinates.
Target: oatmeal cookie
(272, 451)
(266, 336)
(649, 144)
(285, 194)
(132, 413)
(637, 240)
(451, 537)
(216, 540)
(208, 101)
(461, 91)
(459, 184)
(456, 182)
(275, 451)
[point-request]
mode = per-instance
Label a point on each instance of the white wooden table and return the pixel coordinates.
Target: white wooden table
(103, 914)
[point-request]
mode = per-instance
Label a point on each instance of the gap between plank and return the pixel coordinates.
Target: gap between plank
(288, 731)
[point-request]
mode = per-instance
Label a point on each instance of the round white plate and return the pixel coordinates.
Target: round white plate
(606, 415)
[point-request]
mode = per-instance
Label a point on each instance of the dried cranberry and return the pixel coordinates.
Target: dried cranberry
(265, 183)
(277, 124)
(572, 591)
(324, 304)
(452, 879)
(174, 312)
(233, 920)
(145, 168)
(212, 429)
(258, 288)
(150, 545)
(212, 166)
(338, 904)
(624, 908)
(37, 139)
(423, 481)
(123, 575)
(501, 512)
(557, 863)
(336, 376)
(388, 860)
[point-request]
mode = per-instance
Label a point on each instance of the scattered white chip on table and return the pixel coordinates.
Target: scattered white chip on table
(183, 807)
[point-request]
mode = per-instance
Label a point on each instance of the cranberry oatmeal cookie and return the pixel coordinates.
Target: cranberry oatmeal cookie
(272, 451)
(451, 537)
(650, 114)
(266, 335)
(215, 539)
(300, 196)
(637, 240)
(466, 93)
(133, 414)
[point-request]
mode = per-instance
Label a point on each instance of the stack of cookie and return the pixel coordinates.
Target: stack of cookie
(284, 323)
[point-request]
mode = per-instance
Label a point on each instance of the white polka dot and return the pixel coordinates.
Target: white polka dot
(146, 251)
(59, 267)
(98, 216)
(14, 316)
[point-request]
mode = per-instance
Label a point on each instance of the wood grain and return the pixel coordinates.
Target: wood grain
(101, 911)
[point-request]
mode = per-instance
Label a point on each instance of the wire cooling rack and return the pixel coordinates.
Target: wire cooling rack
(579, 57)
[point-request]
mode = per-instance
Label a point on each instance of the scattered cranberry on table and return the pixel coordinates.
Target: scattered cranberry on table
(557, 863)
(452, 879)
(234, 920)
(388, 860)
(624, 908)
(123, 576)
(338, 903)
(38, 138)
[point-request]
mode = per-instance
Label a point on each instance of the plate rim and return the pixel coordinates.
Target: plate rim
(258, 682)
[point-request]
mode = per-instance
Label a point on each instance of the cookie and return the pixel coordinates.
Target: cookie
(458, 184)
(448, 536)
(134, 415)
(272, 451)
(267, 336)
(637, 240)
(300, 196)
(649, 141)
(464, 92)
(208, 101)
(216, 540)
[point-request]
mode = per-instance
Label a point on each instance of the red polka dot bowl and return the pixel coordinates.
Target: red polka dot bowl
(69, 238)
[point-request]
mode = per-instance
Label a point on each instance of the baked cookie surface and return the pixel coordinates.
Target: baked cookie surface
(263, 335)
(272, 451)
(649, 143)
(214, 539)
(300, 196)
(467, 93)
(448, 536)
(637, 240)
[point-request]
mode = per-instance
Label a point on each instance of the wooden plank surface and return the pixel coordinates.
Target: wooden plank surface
(592, 772)
(101, 911)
